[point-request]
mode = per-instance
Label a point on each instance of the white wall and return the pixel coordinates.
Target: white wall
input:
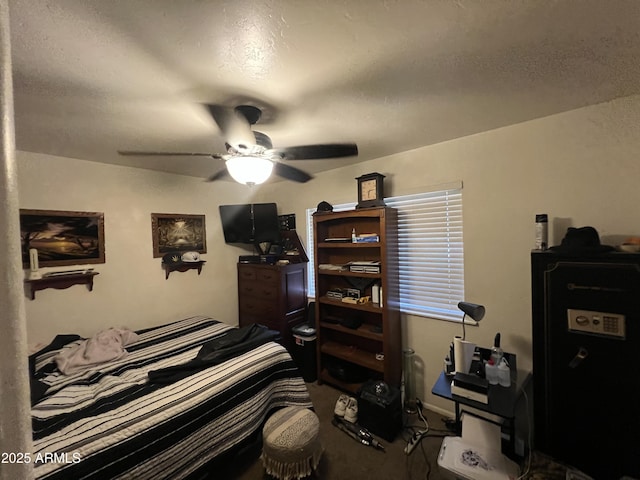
(130, 289)
(580, 167)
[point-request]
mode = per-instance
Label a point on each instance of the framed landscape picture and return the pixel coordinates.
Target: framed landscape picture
(62, 237)
(174, 232)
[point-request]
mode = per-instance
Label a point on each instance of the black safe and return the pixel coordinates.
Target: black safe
(380, 409)
(586, 339)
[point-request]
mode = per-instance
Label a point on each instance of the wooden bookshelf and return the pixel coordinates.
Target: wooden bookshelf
(375, 343)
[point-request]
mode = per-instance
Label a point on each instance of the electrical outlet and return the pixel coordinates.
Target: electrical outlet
(416, 438)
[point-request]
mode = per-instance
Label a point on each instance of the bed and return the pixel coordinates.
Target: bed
(112, 421)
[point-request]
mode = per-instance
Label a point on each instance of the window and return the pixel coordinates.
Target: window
(430, 251)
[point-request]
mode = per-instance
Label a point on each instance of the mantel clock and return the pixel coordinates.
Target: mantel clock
(370, 190)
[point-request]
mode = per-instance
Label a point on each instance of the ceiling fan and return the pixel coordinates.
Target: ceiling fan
(250, 157)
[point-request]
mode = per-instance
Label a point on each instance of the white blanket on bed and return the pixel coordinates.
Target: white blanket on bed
(104, 346)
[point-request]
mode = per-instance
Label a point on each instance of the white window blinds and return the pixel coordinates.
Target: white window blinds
(430, 251)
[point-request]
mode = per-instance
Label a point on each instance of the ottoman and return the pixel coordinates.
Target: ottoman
(291, 446)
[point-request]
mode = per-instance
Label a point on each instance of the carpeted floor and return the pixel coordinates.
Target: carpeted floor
(346, 459)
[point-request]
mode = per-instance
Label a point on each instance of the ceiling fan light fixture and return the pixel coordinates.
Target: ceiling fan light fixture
(250, 157)
(249, 170)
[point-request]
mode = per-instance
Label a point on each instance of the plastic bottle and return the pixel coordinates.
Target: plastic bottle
(496, 351)
(353, 235)
(491, 372)
(375, 294)
(542, 232)
(504, 373)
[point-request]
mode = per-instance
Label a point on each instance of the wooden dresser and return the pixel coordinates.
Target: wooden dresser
(273, 295)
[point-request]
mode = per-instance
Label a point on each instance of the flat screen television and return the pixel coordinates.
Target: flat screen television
(250, 223)
(237, 224)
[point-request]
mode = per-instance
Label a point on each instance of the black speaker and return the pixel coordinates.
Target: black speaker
(380, 409)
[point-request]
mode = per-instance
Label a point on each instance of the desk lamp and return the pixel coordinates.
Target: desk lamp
(475, 311)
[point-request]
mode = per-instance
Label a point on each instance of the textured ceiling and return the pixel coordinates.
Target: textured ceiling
(95, 76)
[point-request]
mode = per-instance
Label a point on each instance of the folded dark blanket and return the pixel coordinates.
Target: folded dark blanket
(56, 344)
(38, 389)
(216, 351)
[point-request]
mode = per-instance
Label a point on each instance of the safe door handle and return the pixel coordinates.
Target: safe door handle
(580, 356)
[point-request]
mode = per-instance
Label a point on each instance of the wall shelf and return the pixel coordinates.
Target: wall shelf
(182, 267)
(61, 282)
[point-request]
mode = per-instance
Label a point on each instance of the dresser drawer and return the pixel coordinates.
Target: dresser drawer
(259, 307)
(255, 289)
(247, 273)
(272, 295)
(260, 274)
(268, 275)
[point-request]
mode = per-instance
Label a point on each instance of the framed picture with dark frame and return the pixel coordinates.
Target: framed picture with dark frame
(62, 237)
(173, 232)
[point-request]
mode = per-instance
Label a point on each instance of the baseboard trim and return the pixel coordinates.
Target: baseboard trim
(439, 410)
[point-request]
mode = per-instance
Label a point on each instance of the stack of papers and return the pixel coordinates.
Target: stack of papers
(331, 266)
(364, 266)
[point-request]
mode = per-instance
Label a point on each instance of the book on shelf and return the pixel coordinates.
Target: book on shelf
(364, 267)
(366, 238)
(331, 266)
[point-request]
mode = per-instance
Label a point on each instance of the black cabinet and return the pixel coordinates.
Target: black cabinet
(586, 341)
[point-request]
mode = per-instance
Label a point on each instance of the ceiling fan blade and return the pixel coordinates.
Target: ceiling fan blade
(234, 126)
(220, 174)
(263, 140)
(168, 154)
(309, 152)
(290, 173)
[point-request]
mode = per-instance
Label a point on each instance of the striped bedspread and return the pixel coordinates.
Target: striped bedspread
(111, 422)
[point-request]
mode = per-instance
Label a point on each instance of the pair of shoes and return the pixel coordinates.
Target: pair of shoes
(347, 408)
(341, 406)
(351, 412)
